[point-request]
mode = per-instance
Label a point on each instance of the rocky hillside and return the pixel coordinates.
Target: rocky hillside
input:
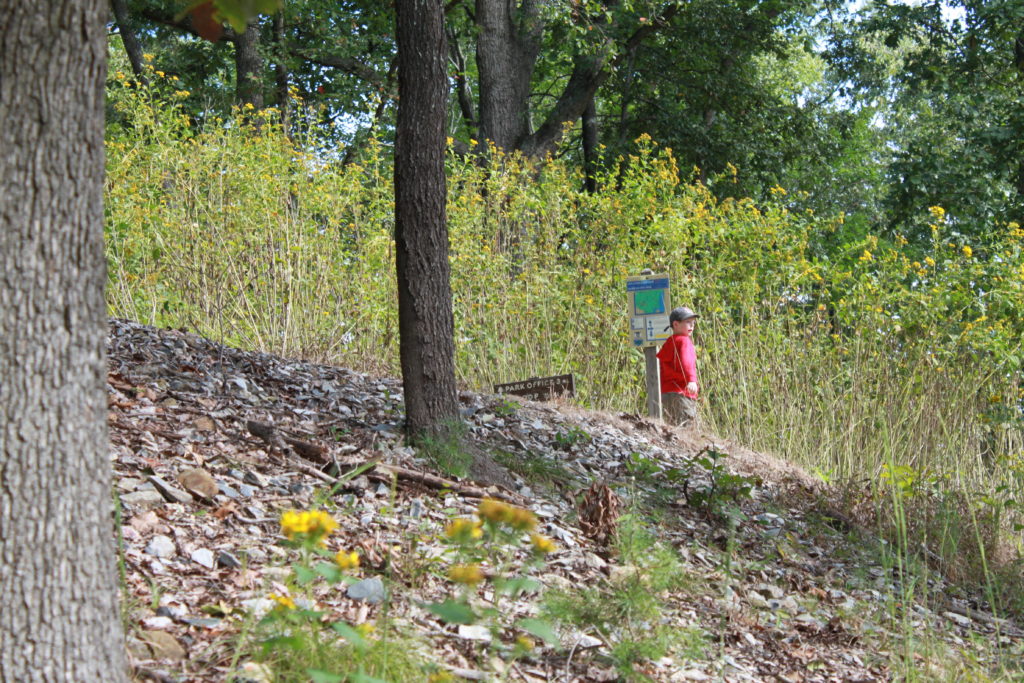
(679, 557)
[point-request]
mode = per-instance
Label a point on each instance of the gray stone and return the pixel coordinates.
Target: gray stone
(415, 509)
(255, 479)
(368, 590)
(202, 622)
(226, 559)
(246, 491)
(161, 547)
(204, 557)
(143, 499)
(227, 490)
(172, 493)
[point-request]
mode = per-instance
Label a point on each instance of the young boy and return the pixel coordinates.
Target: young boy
(678, 362)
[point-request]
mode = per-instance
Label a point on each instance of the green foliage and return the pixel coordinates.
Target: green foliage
(445, 449)
(817, 339)
(722, 486)
(566, 439)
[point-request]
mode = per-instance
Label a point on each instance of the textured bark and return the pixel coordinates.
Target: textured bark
(59, 618)
(589, 124)
(249, 67)
(425, 321)
(131, 43)
(508, 44)
(281, 76)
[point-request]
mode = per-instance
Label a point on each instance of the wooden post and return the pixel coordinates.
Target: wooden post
(653, 382)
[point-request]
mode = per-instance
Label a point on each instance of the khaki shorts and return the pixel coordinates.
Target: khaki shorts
(678, 410)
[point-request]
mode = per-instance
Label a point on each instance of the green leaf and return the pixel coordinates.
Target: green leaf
(360, 677)
(452, 612)
(329, 571)
(318, 676)
(351, 635)
(303, 574)
(516, 585)
(541, 629)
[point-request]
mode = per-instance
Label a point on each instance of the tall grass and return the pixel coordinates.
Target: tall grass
(818, 340)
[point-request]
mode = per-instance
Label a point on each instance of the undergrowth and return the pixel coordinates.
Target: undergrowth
(859, 356)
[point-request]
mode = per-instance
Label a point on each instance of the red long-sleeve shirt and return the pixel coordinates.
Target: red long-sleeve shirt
(678, 361)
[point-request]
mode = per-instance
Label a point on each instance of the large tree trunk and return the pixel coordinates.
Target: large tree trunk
(249, 67)
(507, 48)
(281, 80)
(59, 617)
(425, 321)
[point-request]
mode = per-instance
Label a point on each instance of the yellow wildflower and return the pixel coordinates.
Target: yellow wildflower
(525, 642)
(968, 252)
(866, 256)
(937, 212)
(930, 261)
(440, 677)
(315, 523)
(543, 544)
(463, 530)
(347, 560)
(522, 520)
(469, 574)
(283, 601)
(494, 510)
(366, 628)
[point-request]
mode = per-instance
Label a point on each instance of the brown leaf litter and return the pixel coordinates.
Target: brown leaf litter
(211, 444)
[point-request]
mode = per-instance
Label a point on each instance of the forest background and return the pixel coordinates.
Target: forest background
(835, 187)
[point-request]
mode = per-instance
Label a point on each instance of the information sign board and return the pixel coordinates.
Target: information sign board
(540, 388)
(649, 305)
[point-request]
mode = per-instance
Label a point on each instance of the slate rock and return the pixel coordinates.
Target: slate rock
(255, 479)
(227, 490)
(368, 590)
(226, 559)
(143, 499)
(172, 493)
(161, 547)
(199, 482)
(204, 557)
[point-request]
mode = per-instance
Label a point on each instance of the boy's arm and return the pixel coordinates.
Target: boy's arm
(690, 367)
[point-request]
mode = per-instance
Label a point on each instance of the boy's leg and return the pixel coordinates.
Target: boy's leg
(672, 408)
(689, 410)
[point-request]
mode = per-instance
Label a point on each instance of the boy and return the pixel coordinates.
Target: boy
(678, 362)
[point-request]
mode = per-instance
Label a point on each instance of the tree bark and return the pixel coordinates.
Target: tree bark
(59, 618)
(589, 125)
(281, 79)
(249, 67)
(131, 42)
(425, 320)
(508, 44)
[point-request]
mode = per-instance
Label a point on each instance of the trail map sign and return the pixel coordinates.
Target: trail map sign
(540, 388)
(649, 306)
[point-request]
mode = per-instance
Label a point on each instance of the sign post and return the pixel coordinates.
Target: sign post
(649, 303)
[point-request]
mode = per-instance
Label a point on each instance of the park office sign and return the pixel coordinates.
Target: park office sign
(540, 388)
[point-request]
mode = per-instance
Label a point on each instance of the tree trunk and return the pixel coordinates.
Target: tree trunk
(59, 618)
(131, 42)
(249, 67)
(589, 125)
(506, 54)
(281, 79)
(425, 320)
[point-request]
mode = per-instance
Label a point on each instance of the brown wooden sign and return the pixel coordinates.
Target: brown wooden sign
(540, 388)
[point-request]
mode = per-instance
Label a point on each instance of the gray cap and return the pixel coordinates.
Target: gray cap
(680, 314)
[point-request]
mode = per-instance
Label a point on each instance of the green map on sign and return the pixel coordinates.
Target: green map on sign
(650, 302)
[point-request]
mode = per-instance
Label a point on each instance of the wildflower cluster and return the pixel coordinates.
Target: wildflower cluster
(309, 526)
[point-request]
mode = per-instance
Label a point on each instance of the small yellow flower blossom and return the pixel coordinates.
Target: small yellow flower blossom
(469, 574)
(315, 523)
(449, 140)
(148, 56)
(543, 544)
(463, 531)
(866, 256)
(440, 677)
(182, 93)
(347, 560)
(937, 212)
(525, 643)
(779, 190)
(283, 601)
(930, 261)
(249, 105)
(968, 252)
(364, 629)
(494, 511)
(522, 520)
(160, 74)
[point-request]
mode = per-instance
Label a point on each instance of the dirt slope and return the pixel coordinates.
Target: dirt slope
(210, 445)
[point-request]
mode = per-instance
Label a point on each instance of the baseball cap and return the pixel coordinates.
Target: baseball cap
(680, 314)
